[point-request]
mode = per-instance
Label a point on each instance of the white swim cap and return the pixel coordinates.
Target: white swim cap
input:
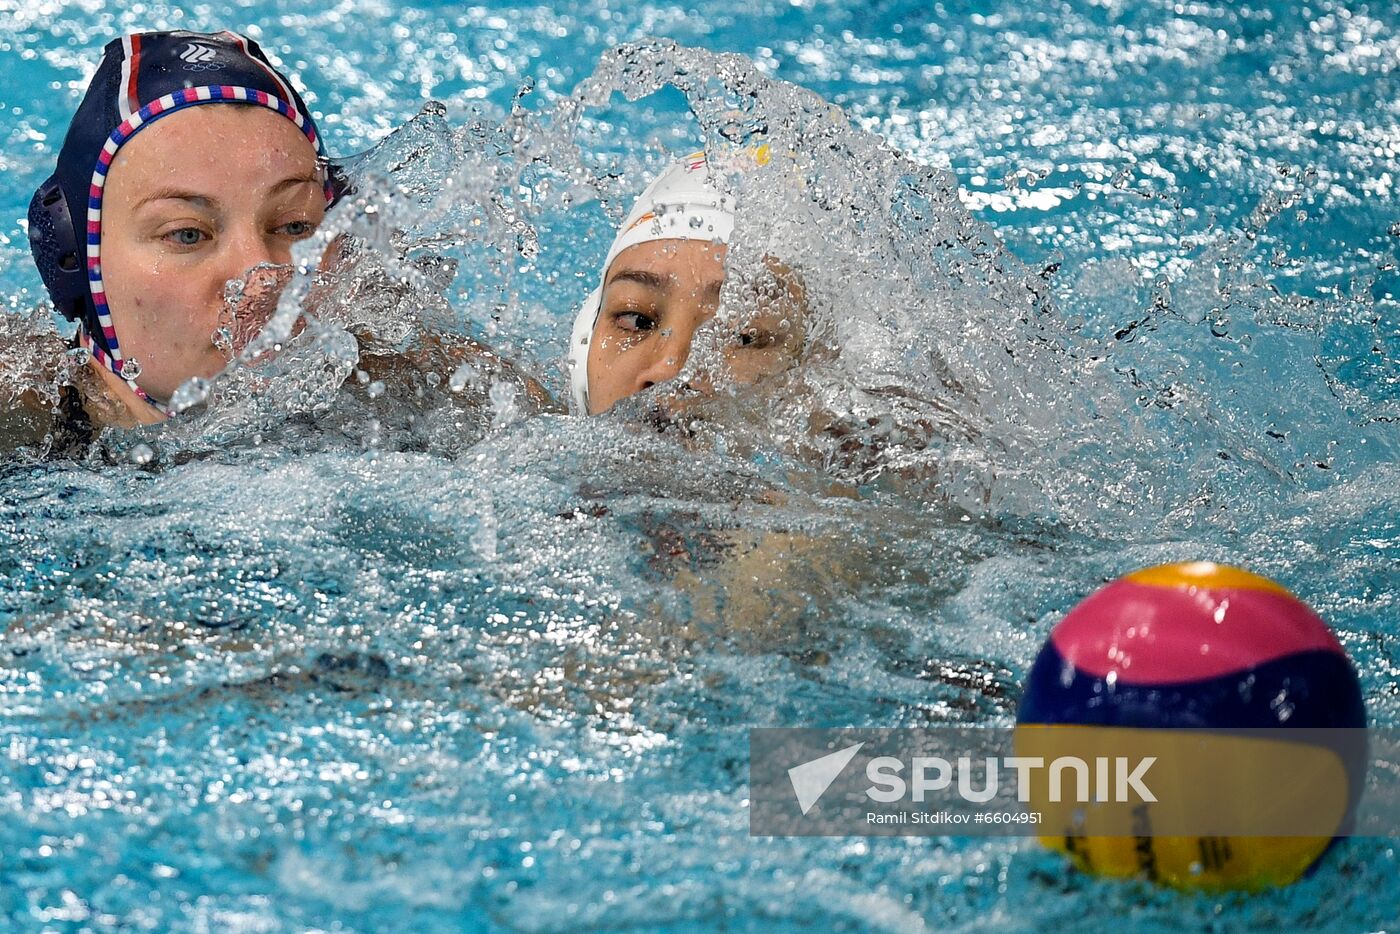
(681, 204)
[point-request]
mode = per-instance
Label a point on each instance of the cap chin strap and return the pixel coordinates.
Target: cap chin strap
(130, 370)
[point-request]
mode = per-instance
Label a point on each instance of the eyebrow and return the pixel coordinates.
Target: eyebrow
(204, 201)
(651, 280)
(174, 194)
(291, 180)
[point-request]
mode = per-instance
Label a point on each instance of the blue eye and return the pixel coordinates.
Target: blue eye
(299, 228)
(185, 236)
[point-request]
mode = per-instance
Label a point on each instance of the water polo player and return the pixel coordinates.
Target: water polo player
(159, 200)
(661, 281)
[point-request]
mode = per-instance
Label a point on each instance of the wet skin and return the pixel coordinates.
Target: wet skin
(197, 199)
(656, 297)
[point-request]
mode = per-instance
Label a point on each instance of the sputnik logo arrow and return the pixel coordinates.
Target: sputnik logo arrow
(810, 780)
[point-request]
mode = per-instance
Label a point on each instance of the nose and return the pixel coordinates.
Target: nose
(668, 356)
(261, 284)
(247, 248)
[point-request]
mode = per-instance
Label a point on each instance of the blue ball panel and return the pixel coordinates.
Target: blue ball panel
(1309, 690)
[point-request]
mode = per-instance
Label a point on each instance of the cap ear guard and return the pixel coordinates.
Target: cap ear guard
(54, 244)
(584, 322)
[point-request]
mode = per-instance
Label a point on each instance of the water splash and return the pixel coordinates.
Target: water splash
(283, 642)
(939, 365)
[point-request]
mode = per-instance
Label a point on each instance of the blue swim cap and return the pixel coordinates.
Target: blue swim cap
(142, 77)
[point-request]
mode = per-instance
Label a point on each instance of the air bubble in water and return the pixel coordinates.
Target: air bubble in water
(461, 377)
(503, 403)
(192, 392)
(484, 539)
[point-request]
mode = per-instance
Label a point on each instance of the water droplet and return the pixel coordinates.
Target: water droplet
(141, 455)
(464, 374)
(484, 539)
(131, 370)
(191, 392)
(375, 389)
(502, 397)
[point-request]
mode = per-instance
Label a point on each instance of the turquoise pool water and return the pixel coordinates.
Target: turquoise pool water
(282, 672)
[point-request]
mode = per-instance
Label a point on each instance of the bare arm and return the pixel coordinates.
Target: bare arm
(442, 355)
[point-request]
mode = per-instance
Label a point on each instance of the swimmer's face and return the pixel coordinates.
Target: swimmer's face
(195, 200)
(658, 294)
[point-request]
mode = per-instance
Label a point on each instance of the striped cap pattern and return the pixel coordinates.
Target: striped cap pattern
(105, 348)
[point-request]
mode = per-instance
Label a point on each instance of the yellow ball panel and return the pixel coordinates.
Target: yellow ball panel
(1246, 790)
(1204, 574)
(1211, 864)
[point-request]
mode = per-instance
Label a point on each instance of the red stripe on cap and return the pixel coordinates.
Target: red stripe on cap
(271, 72)
(1144, 634)
(133, 99)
